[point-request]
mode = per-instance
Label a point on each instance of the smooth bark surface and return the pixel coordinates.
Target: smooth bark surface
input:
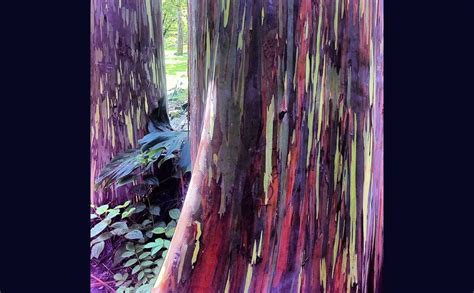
(127, 80)
(286, 101)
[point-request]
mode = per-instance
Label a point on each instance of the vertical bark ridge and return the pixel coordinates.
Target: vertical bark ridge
(287, 184)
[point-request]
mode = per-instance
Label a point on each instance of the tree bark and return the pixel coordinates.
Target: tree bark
(127, 80)
(286, 101)
(180, 40)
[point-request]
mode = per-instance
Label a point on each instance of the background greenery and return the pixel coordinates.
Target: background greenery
(176, 66)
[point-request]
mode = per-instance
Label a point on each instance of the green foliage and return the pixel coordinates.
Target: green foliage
(156, 147)
(176, 66)
(144, 245)
(178, 94)
(174, 214)
(170, 18)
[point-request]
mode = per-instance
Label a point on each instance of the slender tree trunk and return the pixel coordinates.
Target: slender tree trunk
(127, 80)
(180, 41)
(286, 194)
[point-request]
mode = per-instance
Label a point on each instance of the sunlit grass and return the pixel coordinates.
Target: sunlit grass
(177, 72)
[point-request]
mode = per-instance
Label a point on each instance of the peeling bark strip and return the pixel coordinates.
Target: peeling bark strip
(287, 186)
(127, 80)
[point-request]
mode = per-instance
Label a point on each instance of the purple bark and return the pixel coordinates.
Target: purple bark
(127, 81)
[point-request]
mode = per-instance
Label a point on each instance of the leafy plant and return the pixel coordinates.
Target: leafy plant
(156, 147)
(141, 232)
(146, 239)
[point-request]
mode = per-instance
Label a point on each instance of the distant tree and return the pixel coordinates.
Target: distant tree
(127, 80)
(174, 28)
(180, 38)
(169, 17)
(286, 194)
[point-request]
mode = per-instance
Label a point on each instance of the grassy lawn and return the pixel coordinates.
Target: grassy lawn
(177, 74)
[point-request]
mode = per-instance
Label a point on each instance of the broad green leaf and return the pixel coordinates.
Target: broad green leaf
(141, 275)
(155, 249)
(119, 167)
(99, 227)
(150, 245)
(139, 207)
(120, 228)
(121, 225)
(102, 237)
(136, 269)
(158, 230)
(118, 277)
(146, 288)
(143, 255)
(128, 213)
(164, 253)
(102, 209)
(127, 254)
(97, 249)
(169, 232)
(155, 210)
(166, 243)
(174, 214)
(159, 242)
(171, 224)
(119, 232)
(158, 245)
(93, 216)
(112, 213)
(147, 263)
(130, 262)
(135, 234)
(124, 205)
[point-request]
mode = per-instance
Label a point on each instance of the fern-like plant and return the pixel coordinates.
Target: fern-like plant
(160, 145)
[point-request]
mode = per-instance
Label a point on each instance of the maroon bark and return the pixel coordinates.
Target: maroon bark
(286, 105)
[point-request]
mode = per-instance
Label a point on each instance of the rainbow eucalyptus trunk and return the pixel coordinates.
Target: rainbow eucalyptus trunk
(286, 118)
(127, 80)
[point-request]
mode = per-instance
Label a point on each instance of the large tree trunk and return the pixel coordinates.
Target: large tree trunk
(180, 41)
(286, 118)
(127, 80)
